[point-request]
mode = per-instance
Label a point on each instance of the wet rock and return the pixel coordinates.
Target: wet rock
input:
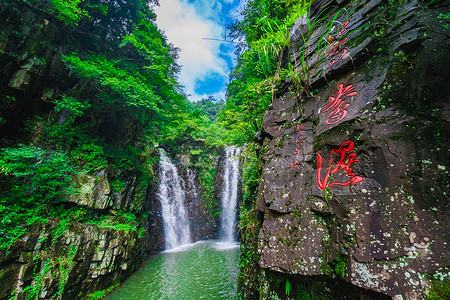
(93, 191)
(374, 215)
(202, 220)
(89, 262)
(21, 79)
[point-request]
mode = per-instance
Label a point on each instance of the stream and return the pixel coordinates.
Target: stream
(202, 270)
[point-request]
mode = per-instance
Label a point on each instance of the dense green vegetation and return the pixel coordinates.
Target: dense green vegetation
(126, 100)
(265, 29)
(264, 35)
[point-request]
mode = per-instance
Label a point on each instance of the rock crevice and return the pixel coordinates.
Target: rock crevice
(354, 184)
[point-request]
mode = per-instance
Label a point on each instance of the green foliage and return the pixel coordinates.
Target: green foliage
(66, 263)
(265, 26)
(151, 44)
(328, 194)
(245, 259)
(340, 265)
(205, 165)
(60, 229)
(90, 156)
(444, 19)
(103, 9)
(77, 214)
(42, 174)
(192, 126)
(196, 152)
(288, 288)
(245, 106)
(90, 153)
(8, 229)
(101, 294)
(273, 296)
(68, 11)
(251, 172)
(247, 218)
(32, 291)
(209, 107)
(109, 74)
(440, 290)
(119, 220)
(140, 85)
(74, 106)
(38, 179)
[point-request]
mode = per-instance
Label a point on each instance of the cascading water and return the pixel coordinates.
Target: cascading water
(201, 270)
(172, 198)
(229, 194)
(191, 182)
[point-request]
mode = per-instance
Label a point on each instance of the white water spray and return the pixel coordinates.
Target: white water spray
(191, 184)
(229, 194)
(172, 198)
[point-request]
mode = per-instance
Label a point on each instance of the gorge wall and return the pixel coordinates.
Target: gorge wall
(70, 258)
(353, 199)
(63, 258)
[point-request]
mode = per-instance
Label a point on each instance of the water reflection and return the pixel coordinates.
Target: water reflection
(203, 270)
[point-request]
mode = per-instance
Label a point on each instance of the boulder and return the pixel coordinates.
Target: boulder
(354, 188)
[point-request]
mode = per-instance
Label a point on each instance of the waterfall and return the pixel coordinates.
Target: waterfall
(191, 183)
(229, 194)
(172, 198)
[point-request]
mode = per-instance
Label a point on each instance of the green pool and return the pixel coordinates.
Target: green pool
(203, 270)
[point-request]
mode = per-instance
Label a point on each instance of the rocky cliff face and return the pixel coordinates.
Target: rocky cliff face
(68, 265)
(68, 260)
(353, 199)
(32, 43)
(71, 260)
(203, 222)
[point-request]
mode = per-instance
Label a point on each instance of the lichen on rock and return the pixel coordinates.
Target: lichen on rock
(369, 174)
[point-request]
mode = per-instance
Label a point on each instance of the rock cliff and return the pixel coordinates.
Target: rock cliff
(81, 260)
(353, 199)
(115, 215)
(69, 260)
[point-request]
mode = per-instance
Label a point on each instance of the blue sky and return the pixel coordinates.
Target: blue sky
(205, 63)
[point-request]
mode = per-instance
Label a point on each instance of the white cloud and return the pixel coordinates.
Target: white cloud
(185, 26)
(217, 96)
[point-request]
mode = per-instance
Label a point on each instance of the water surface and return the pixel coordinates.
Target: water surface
(203, 270)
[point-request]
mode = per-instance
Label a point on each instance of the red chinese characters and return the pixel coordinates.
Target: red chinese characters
(337, 106)
(345, 162)
(336, 43)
